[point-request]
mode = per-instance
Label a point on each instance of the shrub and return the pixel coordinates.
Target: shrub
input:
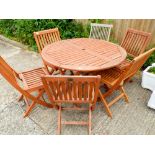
(150, 61)
(151, 70)
(22, 30)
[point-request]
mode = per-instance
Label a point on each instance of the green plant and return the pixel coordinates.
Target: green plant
(22, 29)
(150, 61)
(151, 58)
(151, 70)
(95, 20)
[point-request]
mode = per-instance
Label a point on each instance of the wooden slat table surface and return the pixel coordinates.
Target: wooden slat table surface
(83, 54)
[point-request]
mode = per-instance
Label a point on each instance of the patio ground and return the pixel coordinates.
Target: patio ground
(132, 118)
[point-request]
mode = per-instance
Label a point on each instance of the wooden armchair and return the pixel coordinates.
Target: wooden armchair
(114, 79)
(135, 43)
(72, 90)
(31, 81)
(100, 31)
(46, 37)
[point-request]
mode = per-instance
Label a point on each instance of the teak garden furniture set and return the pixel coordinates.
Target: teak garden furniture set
(94, 61)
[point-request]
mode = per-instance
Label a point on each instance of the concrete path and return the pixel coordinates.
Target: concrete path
(133, 118)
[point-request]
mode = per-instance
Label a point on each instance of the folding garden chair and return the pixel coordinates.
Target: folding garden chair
(135, 43)
(100, 31)
(31, 81)
(72, 90)
(46, 37)
(114, 81)
(113, 78)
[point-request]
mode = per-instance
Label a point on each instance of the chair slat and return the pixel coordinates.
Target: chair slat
(64, 90)
(40, 43)
(90, 90)
(80, 90)
(58, 87)
(69, 90)
(75, 90)
(85, 89)
(53, 90)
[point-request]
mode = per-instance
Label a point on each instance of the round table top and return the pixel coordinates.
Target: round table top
(83, 54)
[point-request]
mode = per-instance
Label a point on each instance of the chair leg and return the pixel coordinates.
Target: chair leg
(90, 116)
(20, 98)
(59, 121)
(30, 107)
(105, 104)
(26, 101)
(125, 95)
(129, 79)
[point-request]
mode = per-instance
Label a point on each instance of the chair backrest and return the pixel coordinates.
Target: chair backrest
(10, 70)
(9, 75)
(100, 31)
(135, 42)
(72, 89)
(138, 63)
(46, 37)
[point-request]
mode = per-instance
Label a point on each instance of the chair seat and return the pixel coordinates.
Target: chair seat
(32, 79)
(124, 64)
(109, 76)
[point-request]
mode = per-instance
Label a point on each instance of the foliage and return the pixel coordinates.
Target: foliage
(22, 30)
(150, 61)
(95, 20)
(151, 70)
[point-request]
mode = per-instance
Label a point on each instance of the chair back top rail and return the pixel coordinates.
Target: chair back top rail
(100, 31)
(138, 62)
(135, 42)
(72, 89)
(10, 70)
(102, 25)
(46, 37)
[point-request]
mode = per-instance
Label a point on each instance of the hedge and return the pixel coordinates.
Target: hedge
(22, 30)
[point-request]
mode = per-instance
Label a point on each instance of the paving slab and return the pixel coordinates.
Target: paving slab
(12, 122)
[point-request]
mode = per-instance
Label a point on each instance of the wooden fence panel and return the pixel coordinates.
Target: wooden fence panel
(121, 26)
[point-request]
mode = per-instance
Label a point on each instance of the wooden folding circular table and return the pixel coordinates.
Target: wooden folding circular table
(83, 54)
